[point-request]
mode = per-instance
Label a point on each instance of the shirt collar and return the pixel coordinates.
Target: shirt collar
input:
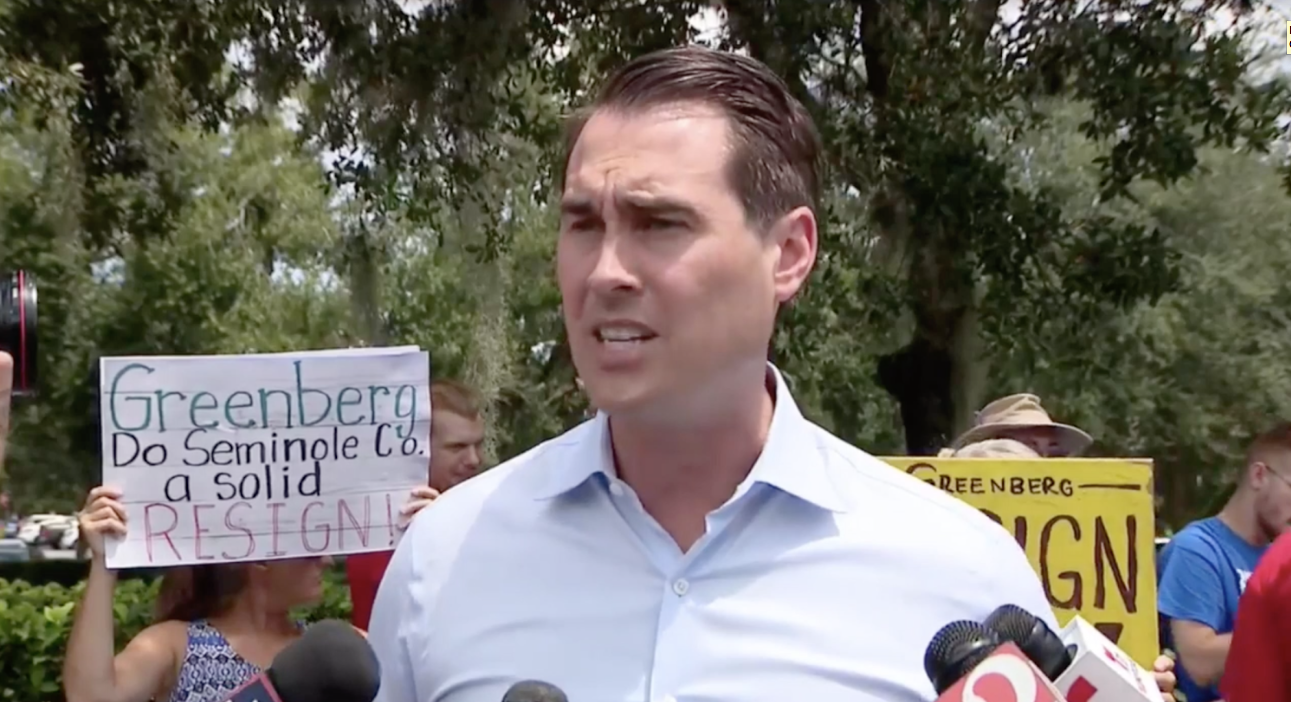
(790, 461)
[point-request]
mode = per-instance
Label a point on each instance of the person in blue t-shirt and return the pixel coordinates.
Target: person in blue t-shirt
(1204, 568)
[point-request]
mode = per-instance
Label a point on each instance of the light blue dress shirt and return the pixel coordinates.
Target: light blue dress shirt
(822, 580)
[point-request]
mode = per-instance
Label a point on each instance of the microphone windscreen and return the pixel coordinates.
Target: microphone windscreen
(330, 662)
(534, 691)
(1045, 649)
(955, 650)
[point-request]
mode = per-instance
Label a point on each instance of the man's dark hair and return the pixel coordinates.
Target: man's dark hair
(777, 147)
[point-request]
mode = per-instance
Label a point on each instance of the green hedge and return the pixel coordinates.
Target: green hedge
(36, 619)
(61, 572)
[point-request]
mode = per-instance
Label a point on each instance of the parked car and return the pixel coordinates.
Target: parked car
(31, 529)
(14, 551)
(11, 528)
(67, 540)
(54, 531)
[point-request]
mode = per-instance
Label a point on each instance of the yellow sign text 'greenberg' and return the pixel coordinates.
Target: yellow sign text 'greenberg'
(1087, 526)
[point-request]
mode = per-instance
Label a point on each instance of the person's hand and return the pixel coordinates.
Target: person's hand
(421, 496)
(1163, 671)
(103, 514)
(6, 391)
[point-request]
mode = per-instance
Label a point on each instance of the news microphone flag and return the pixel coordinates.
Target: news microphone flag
(1101, 672)
(1007, 675)
(258, 689)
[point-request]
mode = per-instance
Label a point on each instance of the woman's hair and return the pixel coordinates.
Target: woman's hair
(189, 593)
(997, 448)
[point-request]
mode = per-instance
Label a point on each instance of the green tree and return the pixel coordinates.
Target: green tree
(244, 264)
(942, 261)
(1189, 380)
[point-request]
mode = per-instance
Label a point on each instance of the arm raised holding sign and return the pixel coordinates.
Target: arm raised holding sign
(233, 611)
(91, 673)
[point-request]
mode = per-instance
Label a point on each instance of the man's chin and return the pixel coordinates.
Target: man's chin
(623, 399)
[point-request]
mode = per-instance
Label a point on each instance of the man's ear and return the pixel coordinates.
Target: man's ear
(795, 238)
(1257, 473)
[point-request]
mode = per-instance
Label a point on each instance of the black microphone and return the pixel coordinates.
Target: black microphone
(331, 662)
(532, 691)
(1035, 638)
(956, 649)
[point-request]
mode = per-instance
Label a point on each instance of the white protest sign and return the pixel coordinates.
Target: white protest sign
(263, 456)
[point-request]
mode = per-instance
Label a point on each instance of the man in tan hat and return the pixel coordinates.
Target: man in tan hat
(1021, 418)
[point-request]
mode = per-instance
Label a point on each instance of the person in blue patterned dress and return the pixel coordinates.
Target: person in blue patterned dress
(217, 626)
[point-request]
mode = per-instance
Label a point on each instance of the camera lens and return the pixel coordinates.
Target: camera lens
(18, 328)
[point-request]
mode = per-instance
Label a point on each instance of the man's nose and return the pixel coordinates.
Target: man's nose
(613, 271)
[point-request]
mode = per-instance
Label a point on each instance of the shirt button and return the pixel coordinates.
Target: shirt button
(616, 489)
(681, 587)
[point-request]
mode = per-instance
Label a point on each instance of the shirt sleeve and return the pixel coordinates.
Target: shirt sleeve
(1190, 588)
(1255, 670)
(394, 607)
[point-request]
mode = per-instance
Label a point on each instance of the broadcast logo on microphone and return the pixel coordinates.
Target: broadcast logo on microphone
(1006, 676)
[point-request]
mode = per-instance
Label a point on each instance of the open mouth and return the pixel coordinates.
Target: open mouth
(623, 335)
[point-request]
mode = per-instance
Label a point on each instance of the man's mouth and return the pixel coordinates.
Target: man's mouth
(623, 333)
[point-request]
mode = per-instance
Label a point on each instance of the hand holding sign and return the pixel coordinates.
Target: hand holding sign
(104, 515)
(422, 495)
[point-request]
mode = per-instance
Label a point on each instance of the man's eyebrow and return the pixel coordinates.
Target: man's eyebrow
(582, 206)
(577, 206)
(659, 204)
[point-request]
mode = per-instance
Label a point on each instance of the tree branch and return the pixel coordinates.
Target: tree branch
(752, 26)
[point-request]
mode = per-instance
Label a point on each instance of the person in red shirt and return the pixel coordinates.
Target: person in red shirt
(1258, 668)
(456, 446)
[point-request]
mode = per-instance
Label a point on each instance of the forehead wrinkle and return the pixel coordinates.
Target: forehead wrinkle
(632, 194)
(650, 146)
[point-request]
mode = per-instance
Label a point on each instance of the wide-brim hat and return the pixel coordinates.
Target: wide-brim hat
(1022, 411)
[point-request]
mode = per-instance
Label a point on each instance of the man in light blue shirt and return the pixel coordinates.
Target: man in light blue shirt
(699, 539)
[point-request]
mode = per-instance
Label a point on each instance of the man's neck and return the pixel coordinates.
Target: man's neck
(683, 471)
(1239, 515)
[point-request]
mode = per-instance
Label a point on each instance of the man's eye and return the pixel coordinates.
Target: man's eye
(664, 224)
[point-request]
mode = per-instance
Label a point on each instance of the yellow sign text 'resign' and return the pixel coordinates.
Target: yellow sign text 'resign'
(1087, 526)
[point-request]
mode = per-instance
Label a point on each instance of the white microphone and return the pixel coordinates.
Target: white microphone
(1099, 671)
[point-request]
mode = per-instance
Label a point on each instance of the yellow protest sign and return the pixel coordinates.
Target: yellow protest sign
(1086, 524)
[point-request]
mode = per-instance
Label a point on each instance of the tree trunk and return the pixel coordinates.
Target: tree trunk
(936, 377)
(919, 377)
(365, 288)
